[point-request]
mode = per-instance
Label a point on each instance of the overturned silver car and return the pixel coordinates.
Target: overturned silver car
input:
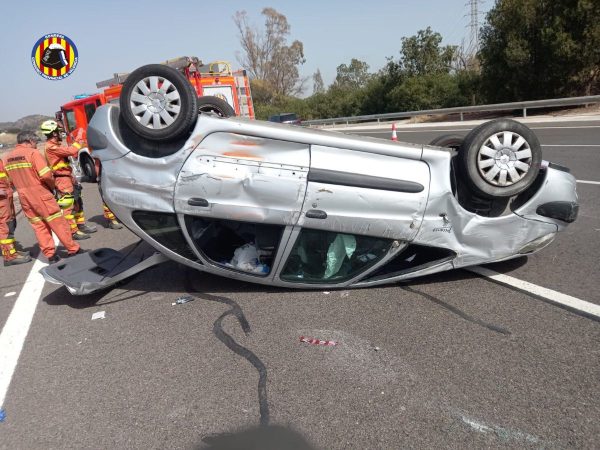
(286, 206)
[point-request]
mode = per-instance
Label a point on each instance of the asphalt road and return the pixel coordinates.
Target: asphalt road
(453, 360)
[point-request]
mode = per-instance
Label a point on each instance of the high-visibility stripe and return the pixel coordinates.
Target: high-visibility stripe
(3, 175)
(12, 251)
(69, 216)
(6, 241)
(53, 216)
(35, 219)
(77, 145)
(61, 165)
(10, 167)
(80, 220)
(43, 171)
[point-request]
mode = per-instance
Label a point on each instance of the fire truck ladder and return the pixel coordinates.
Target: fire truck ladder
(182, 63)
(243, 93)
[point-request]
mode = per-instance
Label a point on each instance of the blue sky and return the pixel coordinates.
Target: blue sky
(118, 36)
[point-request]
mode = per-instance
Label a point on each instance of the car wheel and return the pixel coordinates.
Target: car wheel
(500, 158)
(88, 167)
(452, 141)
(215, 105)
(158, 103)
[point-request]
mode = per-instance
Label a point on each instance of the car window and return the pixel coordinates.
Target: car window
(90, 109)
(327, 257)
(164, 228)
(241, 246)
(288, 117)
(70, 115)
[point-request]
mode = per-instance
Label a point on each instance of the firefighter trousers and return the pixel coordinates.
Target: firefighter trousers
(46, 217)
(7, 228)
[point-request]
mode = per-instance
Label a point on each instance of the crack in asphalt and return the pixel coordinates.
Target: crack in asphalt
(226, 339)
(458, 312)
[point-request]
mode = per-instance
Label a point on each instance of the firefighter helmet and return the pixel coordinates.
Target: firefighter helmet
(49, 126)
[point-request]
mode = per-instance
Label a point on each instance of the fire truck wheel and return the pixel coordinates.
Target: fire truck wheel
(88, 167)
(215, 105)
(158, 103)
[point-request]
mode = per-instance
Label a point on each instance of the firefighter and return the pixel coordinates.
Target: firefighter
(8, 223)
(68, 191)
(31, 176)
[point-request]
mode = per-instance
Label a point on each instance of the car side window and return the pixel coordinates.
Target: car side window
(320, 256)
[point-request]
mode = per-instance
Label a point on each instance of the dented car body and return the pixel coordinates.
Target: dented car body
(299, 208)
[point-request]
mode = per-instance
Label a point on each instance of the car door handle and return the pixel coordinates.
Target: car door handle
(198, 202)
(316, 214)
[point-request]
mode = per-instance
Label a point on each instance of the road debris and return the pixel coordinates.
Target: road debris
(10, 294)
(2, 415)
(99, 315)
(326, 292)
(313, 341)
(183, 299)
(376, 349)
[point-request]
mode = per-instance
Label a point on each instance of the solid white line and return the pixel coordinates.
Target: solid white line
(570, 145)
(588, 182)
(548, 294)
(16, 328)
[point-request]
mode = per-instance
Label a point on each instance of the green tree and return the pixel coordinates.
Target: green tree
(353, 76)
(533, 49)
(267, 55)
(422, 54)
(318, 85)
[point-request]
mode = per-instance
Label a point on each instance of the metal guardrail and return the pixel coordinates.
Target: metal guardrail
(524, 106)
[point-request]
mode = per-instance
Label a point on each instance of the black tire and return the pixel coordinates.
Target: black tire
(88, 167)
(500, 169)
(453, 141)
(149, 102)
(215, 105)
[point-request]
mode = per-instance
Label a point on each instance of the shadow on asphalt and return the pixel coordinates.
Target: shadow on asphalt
(260, 438)
(169, 277)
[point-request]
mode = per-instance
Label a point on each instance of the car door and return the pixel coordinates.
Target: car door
(238, 198)
(360, 208)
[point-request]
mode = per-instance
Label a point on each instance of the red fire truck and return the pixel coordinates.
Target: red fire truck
(220, 90)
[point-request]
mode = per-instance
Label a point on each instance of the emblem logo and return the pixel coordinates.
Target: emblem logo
(54, 56)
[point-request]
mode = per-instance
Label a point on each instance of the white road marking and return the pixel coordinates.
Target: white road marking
(588, 182)
(424, 129)
(570, 145)
(10, 294)
(550, 295)
(501, 432)
(16, 328)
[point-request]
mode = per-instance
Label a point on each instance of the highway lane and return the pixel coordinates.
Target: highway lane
(460, 361)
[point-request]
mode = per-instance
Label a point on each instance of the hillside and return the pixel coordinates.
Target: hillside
(9, 130)
(24, 123)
